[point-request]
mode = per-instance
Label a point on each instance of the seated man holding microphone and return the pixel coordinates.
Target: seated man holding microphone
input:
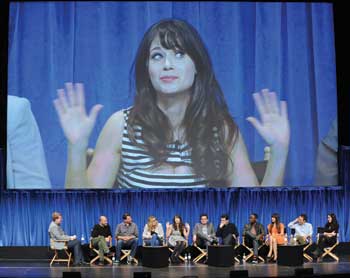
(57, 233)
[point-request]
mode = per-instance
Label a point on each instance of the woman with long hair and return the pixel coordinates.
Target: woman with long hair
(177, 234)
(153, 233)
(276, 235)
(329, 235)
(179, 132)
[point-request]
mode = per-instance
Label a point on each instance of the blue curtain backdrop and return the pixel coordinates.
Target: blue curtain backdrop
(25, 215)
(287, 47)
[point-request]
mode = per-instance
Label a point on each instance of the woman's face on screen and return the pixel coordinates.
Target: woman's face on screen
(171, 71)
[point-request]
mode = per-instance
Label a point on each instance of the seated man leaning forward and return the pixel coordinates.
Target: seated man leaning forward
(101, 235)
(253, 234)
(227, 232)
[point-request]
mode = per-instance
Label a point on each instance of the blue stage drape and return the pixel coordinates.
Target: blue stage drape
(287, 47)
(25, 215)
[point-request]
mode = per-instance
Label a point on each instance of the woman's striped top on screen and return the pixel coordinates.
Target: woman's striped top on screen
(135, 163)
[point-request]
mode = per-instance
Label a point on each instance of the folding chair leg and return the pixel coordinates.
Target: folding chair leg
(108, 260)
(125, 254)
(334, 256)
(53, 259)
(306, 256)
(70, 259)
(329, 253)
(94, 260)
(249, 256)
(199, 257)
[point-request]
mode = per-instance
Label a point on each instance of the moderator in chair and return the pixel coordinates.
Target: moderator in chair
(57, 246)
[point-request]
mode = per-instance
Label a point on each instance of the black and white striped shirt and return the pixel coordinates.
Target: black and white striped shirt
(136, 162)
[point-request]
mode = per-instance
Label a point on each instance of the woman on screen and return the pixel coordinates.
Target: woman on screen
(179, 132)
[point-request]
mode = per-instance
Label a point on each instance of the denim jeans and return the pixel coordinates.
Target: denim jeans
(154, 241)
(129, 244)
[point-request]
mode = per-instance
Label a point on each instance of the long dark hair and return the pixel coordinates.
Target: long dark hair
(277, 222)
(209, 129)
(334, 220)
(181, 224)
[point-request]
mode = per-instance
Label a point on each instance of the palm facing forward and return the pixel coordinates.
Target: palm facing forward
(274, 123)
(70, 107)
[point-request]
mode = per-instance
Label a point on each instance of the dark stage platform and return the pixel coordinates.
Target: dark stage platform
(28, 268)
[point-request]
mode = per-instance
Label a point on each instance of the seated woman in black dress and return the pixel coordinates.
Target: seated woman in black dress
(329, 236)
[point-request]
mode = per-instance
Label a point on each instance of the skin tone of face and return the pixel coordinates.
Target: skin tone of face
(329, 218)
(273, 220)
(177, 220)
(128, 220)
(204, 220)
(301, 220)
(170, 71)
(223, 222)
(154, 223)
(59, 220)
(103, 221)
(252, 219)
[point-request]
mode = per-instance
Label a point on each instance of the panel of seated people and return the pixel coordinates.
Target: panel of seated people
(255, 237)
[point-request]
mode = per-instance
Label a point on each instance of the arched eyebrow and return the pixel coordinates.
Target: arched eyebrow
(156, 47)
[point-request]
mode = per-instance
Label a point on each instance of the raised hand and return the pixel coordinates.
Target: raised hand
(70, 107)
(274, 124)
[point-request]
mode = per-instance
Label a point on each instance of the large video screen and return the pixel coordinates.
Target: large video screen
(171, 95)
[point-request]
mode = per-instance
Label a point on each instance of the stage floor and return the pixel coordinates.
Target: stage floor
(10, 268)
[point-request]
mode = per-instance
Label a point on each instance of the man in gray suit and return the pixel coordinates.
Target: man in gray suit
(204, 232)
(57, 233)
